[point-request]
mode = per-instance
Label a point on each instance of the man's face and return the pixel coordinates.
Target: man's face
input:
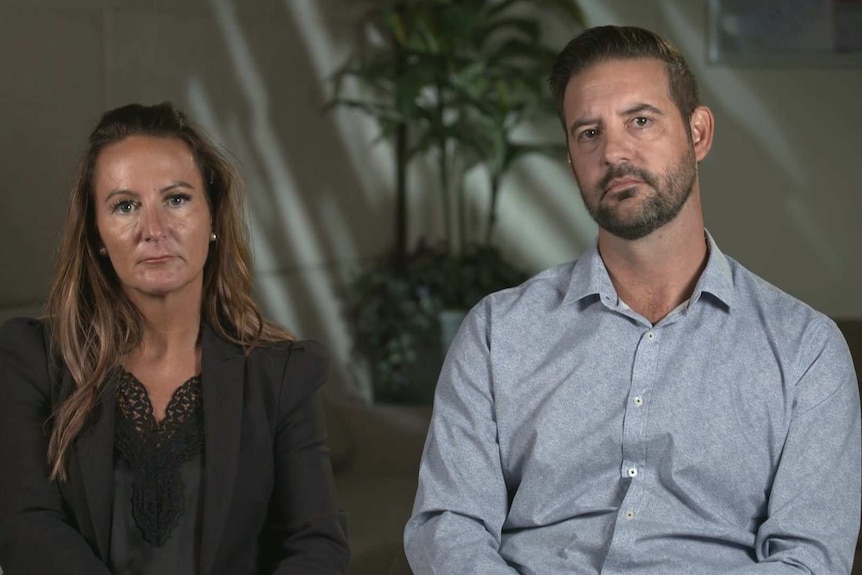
(629, 147)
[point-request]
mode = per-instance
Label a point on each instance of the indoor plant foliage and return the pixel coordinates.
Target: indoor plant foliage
(448, 81)
(395, 313)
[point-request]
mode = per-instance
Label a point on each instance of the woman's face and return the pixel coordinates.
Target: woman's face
(152, 216)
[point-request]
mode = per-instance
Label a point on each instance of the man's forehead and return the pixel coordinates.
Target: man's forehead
(621, 84)
(645, 72)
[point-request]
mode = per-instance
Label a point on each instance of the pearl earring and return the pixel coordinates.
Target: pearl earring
(213, 236)
(103, 251)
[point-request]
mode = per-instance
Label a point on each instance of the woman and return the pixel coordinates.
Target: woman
(153, 422)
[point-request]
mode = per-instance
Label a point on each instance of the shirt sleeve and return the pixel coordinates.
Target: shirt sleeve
(814, 504)
(310, 531)
(461, 502)
(32, 519)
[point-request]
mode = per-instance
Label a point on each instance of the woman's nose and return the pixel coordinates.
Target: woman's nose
(152, 225)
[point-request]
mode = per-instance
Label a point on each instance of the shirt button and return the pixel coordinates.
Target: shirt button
(650, 336)
(638, 401)
(633, 471)
(630, 514)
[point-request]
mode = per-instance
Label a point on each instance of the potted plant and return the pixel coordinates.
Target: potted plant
(448, 81)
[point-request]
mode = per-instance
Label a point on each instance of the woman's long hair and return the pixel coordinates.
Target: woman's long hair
(91, 322)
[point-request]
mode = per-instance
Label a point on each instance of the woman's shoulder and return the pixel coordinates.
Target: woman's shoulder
(302, 349)
(24, 356)
(23, 335)
(298, 367)
(297, 358)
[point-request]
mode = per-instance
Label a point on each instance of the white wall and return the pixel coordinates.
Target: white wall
(778, 190)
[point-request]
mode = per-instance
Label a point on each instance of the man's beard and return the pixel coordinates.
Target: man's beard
(670, 192)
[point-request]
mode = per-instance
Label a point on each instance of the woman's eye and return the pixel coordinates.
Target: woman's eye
(123, 207)
(177, 200)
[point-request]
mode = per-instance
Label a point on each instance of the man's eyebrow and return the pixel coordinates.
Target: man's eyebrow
(578, 124)
(642, 108)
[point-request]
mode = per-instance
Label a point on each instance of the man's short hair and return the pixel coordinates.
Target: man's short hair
(604, 43)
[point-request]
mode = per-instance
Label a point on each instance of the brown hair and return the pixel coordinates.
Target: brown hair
(603, 43)
(91, 322)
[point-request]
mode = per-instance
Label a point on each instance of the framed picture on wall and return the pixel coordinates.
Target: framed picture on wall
(789, 33)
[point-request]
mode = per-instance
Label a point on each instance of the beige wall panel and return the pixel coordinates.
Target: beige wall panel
(777, 186)
(309, 303)
(778, 189)
(621, 12)
(50, 96)
(251, 83)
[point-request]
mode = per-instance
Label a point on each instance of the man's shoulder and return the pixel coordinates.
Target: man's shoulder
(545, 290)
(753, 290)
(778, 311)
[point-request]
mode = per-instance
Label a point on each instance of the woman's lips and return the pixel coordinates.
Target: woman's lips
(156, 259)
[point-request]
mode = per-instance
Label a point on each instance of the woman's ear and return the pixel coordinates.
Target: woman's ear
(702, 124)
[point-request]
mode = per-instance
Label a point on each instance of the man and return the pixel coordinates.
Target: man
(652, 407)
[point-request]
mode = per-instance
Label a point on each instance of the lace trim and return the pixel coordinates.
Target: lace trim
(155, 451)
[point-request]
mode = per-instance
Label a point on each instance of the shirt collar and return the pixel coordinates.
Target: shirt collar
(590, 277)
(716, 279)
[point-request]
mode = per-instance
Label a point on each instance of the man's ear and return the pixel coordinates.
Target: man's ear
(702, 124)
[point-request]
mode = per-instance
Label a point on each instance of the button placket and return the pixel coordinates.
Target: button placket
(634, 451)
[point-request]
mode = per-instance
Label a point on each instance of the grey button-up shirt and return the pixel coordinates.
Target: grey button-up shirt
(570, 435)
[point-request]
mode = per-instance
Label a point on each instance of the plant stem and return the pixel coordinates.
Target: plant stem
(443, 161)
(462, 209)
(401, 197)
(400, 166)
(492, 210)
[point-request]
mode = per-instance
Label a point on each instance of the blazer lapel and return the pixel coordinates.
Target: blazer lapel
(222, 380)
(95, 454)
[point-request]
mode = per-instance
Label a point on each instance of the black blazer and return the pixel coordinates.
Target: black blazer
(268, 494)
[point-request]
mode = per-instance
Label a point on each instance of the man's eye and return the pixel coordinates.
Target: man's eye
(641, 122)
(588, 135)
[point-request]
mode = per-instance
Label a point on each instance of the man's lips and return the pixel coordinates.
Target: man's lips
(619, 184)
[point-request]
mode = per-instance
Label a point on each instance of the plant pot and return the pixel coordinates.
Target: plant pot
(421, 376)
(450, 321)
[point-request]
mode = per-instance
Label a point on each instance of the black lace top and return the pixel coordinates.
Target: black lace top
(157, 480)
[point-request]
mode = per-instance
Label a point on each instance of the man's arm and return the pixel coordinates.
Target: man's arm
(814, 504)
(462, 501)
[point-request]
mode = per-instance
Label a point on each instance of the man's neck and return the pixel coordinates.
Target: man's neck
(657, 273)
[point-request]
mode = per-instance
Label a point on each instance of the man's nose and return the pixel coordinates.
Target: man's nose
(617, 147)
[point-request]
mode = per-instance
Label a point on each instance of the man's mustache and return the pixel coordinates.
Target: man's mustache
(625, 170)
